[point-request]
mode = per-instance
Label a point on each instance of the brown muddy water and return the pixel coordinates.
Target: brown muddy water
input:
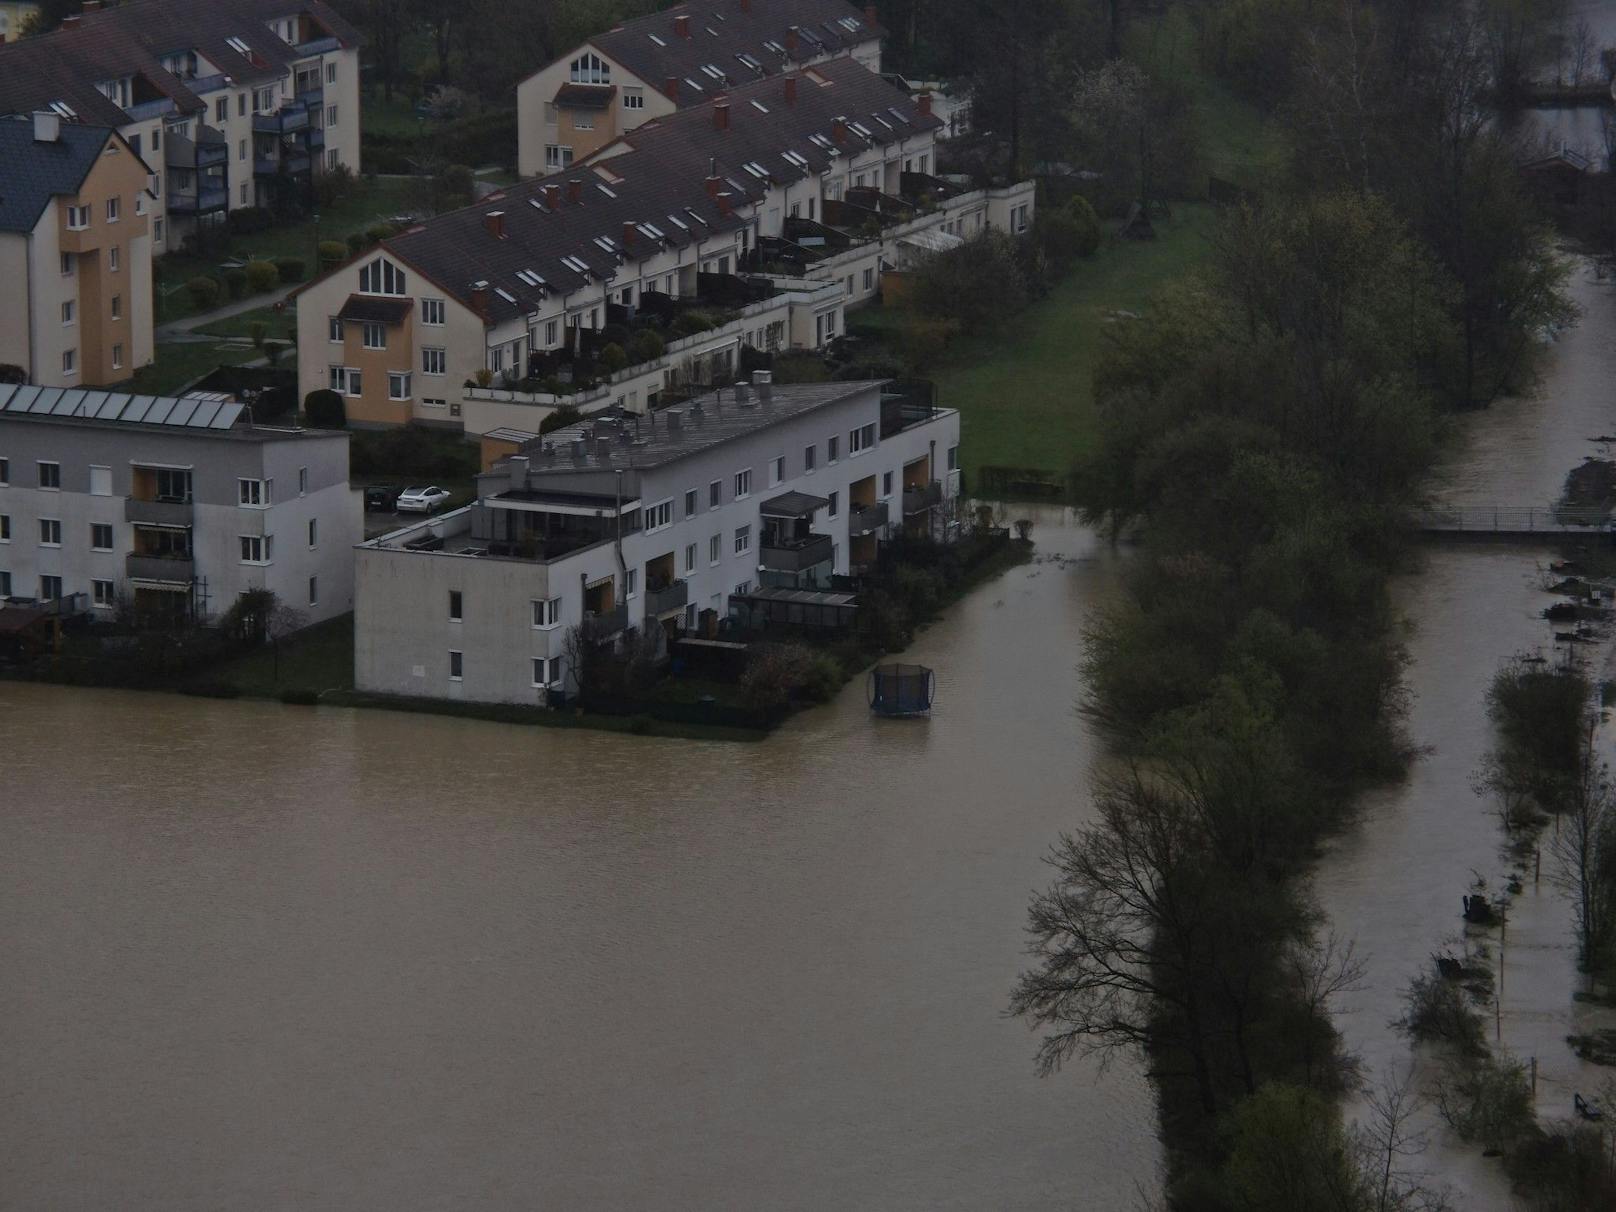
(1394, 882)
(255, 956)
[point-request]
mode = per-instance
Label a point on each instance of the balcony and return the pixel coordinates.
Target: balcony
(866, 519)
(292, 116)
(318, 46)
(798, 555)
(673, 596)
(155, 108)
(158, 513)
(199, 202)
(601, 626)
(211, 147)
(922, 497)
(169, 569)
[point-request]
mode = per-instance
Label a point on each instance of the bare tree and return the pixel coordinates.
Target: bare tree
(1387, 1140)
(1584, 852)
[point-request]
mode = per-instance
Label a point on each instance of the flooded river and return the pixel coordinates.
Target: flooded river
(258, 956)
(1394, 882)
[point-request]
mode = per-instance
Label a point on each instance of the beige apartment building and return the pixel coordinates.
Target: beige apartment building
(75, 253)
(681, 57)
(227, 101)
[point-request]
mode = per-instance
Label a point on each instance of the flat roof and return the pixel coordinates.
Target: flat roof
(702, 424)
(190, 416)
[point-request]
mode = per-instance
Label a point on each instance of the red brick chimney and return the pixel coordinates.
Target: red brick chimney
(720, 113)
(746, 6)
(681, 25)
(92, 6)
(71, 22)
(494, 221)
(791, 40)
(923, 102)
(869, 15)
(552, 196)
(2, 39)
(724, 207)
(575, 191)
(671, 87)
(791, 89)
(714, 183)
(629, 233)
(838, 131)
(479, 302)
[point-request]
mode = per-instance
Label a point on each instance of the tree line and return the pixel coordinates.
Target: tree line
(1266, 427)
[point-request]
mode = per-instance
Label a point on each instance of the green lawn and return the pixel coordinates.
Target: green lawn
(317, 659)
(179, 364)
(373, 200)
(279, 325)
(1026, 399)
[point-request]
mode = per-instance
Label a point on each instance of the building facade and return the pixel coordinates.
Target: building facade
(75, 253)
(171, 508)
(228, 101)
(747, 501)
(14, 18)
(683, 56)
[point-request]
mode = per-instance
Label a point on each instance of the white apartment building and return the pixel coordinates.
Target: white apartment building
(227, 101)
(171, 507)
(682, 56)
(775, 206)
(744, 504)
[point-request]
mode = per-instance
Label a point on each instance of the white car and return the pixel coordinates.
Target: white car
(421, 500)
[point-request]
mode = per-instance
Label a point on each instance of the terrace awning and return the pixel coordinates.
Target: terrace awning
(379, 311)
(793, 505)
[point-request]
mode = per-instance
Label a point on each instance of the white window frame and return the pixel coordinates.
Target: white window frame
(112, 536)
(659, 516)
(373, 334)
(434, 360)
(253, 494)
(546, 613)
(743, 540)
(432, 312)
(743, 484)
(52, 527)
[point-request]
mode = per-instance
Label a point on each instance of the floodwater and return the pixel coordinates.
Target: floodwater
(1395, 880)
(255, 956)
(1582, 127)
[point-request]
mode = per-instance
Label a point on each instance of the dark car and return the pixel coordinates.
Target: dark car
(381, 500)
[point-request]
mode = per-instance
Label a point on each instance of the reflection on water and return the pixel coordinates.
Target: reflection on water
(1395, 880)
(262, 956)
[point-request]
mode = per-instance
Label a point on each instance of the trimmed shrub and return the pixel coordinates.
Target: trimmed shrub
(559, 419)
(613, 359)
(355, 242)
(689, 323)
(324, 409)
(290, 269)
(1088, 226)
(646, 346)
(250, 220)
(332, 252)
(235, 281)
(262, 276)
(204, 292)
(379, 232)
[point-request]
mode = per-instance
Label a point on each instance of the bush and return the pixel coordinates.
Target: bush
(689, 323)
(355, 242)
(1487, 1099)
(256, 332)
(204, 292)
(823, 678)
(1438, 1010)
(262, 276)
(772, 672)
(324, 409)
(1059, 240)
(332, 252)
(613, 359)
(333, 185)
(290, 269)
(978, 283)
(1088, 226)
(646, 346)
(249, 220)
(559, 419)
(379, 232)
(235, 281)
(454, 187)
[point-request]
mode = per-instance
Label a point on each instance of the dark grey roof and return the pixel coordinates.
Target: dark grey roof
(132, 39)
(793, 504)
(189, 416)
(657, 182)
(720, 31)
(705, 422)
(36, 172)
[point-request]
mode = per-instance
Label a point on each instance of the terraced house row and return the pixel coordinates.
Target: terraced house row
(772, 207)
(225, 101)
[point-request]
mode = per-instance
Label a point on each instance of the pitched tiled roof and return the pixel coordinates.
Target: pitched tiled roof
(37, 172)
(839, 98)
(658, 183)
(132, 39)
(720, 31)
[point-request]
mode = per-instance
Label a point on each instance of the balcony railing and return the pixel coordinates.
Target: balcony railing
(318, 46)
(798, 556)
(161, 568)
(866, 519)
(158, 513)
(671, 597)
(922, 497)
(198, 202)
(604, 624)
(156, 108)
(292, 116)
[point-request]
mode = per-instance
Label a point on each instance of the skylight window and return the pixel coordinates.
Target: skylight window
(775, 47)
(756, 169)
(606, 243)
(760, 107)
(791, 157)
(652, 230)
(506, 295)
(694, 85)
(528, 278)
(697, 217)
(861, 129)
(237, 45)
(577, 266)
(678, 222)
(748, 61)
(655, 39)
(712, 72)
(63, 110)
(899, 115)
(603, 189)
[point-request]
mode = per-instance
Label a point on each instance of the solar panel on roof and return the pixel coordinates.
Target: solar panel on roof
(24, 399)
(182, 413)
(206, 410)
(45, 401)
(72, 404)
(108, 406)
(7, 390)
(227, 416)
(137, 408)
(159, 411)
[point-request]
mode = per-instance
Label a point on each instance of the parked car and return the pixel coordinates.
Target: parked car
(380, 498)
(421, 500)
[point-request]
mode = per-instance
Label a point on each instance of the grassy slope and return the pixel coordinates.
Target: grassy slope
(1026, 399)
(181, 363)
